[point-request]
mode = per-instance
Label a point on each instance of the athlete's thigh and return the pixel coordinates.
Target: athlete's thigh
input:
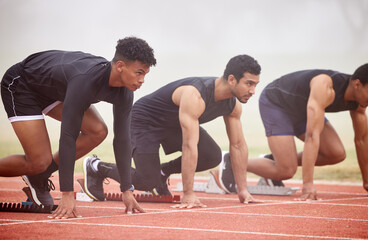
(209, 153)
(92, 120)
(283, 150)
(34, 139)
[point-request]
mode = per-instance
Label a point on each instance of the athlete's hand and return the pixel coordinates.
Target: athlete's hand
(131, 204)
(189, 200)
(245, 197)
(308, 193)
(66, 208)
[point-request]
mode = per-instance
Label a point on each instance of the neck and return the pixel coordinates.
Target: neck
(348, 95)
(222, 89)
(113, 75)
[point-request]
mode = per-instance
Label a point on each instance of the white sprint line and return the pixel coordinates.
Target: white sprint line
(208, 230)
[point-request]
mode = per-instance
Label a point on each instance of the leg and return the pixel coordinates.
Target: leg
(209, 155)
(36, 145)
(147, 175)
(285, 165)
(331, 149)
(93, 130)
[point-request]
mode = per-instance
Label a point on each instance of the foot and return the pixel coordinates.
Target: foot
(162, 190)
(267, 181)
(39, 190)
(226, 175)
(93, 181)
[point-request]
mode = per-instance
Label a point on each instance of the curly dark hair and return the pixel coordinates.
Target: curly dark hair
(241, 64)
(132, 49)
(361, 73)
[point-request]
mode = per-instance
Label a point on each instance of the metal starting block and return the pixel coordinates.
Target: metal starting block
(82, 195)
(144, 198)
(26, 207)
(260, 189)
(208, 187)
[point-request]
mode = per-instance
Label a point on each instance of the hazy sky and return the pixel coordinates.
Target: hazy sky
(193, 37)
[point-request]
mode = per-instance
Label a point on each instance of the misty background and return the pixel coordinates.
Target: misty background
(194, 38)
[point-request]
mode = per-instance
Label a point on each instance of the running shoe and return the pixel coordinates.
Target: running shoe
(93, 181)
(163, 190)
(39, 190)
(226, 175)
(267, 181)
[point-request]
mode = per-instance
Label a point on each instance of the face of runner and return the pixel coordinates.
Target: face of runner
(245, 88)
(132, 74)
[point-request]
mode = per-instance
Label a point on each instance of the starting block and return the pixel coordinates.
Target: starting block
(212, 186)
(144, 198)
(208, 187)
(82, 195)
(26, 207)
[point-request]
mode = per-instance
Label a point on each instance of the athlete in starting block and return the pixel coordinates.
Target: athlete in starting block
(295, 105)
(171, 117)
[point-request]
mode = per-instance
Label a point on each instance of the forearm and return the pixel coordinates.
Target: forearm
(239, 161)
(309, 158)
(361, 147)
(188, 165)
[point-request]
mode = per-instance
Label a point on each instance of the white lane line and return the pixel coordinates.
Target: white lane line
(289, 216)
(209, 230)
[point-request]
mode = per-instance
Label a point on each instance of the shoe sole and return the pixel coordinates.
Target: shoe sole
(33, 191)
(85, 179)
(220, 176)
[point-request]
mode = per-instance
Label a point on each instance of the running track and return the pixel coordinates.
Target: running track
(342, 213)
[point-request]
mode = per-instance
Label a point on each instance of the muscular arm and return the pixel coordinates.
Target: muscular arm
(191, 106)
(321, 95)
(238, 151)
(360, 125)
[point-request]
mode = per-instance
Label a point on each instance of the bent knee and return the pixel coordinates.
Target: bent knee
(339, 156)
(286, 172)
(98, 133)
(39, 165)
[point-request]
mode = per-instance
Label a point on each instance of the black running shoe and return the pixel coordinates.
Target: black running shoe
(40, 190)
(162, 190)
(93, 181)
(226, 175)
(270, 182)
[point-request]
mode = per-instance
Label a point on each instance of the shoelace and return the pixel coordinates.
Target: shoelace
(49, 185)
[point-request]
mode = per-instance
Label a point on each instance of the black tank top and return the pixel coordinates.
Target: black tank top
(158, 111)
(291, 92)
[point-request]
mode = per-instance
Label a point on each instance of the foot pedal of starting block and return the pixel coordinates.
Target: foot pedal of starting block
(208, 187)
(82, 195)
(27, 207)
(268, 190)
(144, 198)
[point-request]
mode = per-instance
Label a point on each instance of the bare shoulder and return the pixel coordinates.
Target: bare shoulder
(186, 92)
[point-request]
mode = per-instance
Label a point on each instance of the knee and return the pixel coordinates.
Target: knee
(40, 165)
(210, 160)
(340, 156)
(337, 156)
(286, 172)
(98, 133)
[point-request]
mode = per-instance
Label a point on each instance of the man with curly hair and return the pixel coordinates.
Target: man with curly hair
(64, 85)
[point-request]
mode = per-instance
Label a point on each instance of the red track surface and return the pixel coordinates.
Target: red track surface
(342, 213)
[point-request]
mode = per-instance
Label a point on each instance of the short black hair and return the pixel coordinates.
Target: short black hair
(132, 49)
(241, 64)
(361, 73)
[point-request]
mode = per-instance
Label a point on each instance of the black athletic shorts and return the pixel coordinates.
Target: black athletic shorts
(20, 102)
